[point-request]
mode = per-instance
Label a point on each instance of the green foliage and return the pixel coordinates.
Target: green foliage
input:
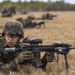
(37, 6)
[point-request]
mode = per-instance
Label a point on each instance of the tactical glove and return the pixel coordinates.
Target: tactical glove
(49, 56)
(25, 55)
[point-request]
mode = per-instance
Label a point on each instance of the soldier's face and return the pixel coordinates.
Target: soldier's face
(11, 40)
(31, 19)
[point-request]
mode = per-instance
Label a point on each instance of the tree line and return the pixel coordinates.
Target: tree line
(39, 5)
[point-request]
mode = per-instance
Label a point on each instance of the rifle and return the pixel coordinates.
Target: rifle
(35, 47)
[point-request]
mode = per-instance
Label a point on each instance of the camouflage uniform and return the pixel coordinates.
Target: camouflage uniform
(27, 23)
(12, 9)
(4, 12)
(10, 61)
(47, 15)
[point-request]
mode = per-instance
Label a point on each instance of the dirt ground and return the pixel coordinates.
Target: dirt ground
(61, 28)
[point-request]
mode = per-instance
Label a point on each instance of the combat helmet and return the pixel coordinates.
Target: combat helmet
(31, 16)
(13, 27)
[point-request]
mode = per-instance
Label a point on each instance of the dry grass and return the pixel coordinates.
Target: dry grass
(62, 28)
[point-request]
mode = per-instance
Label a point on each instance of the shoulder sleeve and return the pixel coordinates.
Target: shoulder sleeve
(2, 42)
(11, 66)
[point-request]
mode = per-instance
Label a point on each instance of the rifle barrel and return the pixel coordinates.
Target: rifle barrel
(72, 47)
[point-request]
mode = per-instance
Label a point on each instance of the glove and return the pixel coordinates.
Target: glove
(24, 56)
(50, 56)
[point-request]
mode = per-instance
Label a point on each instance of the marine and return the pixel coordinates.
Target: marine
(28, 22)
(12, 35)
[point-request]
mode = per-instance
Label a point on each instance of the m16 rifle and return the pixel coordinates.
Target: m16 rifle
(36, 48)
